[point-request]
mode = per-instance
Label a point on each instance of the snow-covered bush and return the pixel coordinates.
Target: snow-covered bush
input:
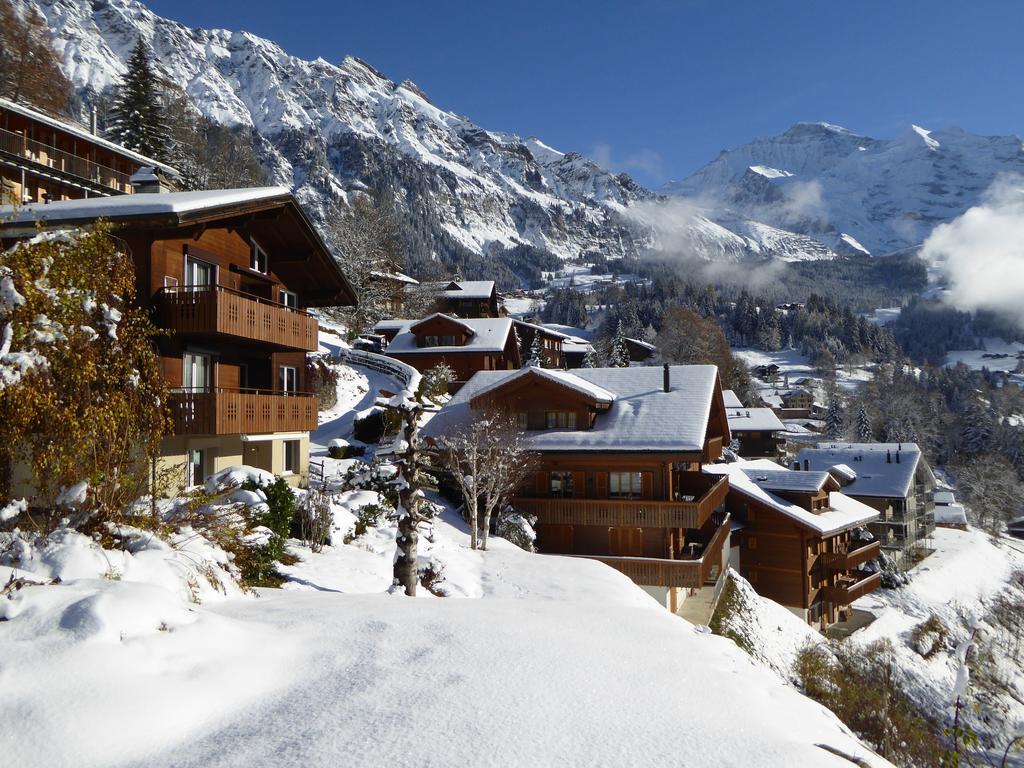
(367, 516)
(371, 425)
(929, 637)
(436, 380)
(342, 449)
(517, 528)
(316, 519)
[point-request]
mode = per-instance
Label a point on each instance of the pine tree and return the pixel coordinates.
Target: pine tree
(834, 419)
(590, 360)
(618, 357)
(137, 116)
(538, 357)
(863, 426)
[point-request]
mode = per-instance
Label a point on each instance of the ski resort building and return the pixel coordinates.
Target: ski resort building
(798, 540)
(230, 273)
(43, 159)
(894, 479)
(620, 480)
(467, 345)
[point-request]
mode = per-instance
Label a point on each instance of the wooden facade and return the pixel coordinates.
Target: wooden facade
(45, 159)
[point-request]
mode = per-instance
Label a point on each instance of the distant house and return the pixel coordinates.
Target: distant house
(893, 478)
(798, 540)
(468, 345)
(575, 347)
(639, 351)
(769, 372)
(466, 298)
(757, 431)
(620, 479)
(730, 399)
(396, 285)
(553, 342)
(790, 403)
(44, 159)
(949, 514)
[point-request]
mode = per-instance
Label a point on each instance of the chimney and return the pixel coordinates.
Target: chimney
(888, 456)
(148, 180)
(897, 457)
(667, 379)
(92, 120)
(796, 466)
(807, 465)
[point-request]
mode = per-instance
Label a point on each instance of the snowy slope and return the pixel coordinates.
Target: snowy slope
(851, 192)
(560, 661)
(328, 129)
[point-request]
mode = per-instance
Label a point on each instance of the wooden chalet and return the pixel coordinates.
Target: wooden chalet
(553, 340)
(45, 159)
(798, 540)
(894, 479)
(756, 432)
(230, 273)
(467, 345)
(620, 481)
(467, 298)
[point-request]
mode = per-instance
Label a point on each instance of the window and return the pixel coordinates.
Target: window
(197, 372)
(195, 468)
(288, 378)
(439, 341)
(560, 483)
(561, 419)
(291, 456)
(259, 258)
(288, 298)
(199, 275)
(523, 420)
(625, 485)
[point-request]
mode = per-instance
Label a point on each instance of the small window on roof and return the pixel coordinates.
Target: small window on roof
(259, 262)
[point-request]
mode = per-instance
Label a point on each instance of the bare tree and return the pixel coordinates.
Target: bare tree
(29, 67)
(990, 487)
(488, 459)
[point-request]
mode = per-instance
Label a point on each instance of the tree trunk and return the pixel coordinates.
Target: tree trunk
(405, 563)
(474, 519)
(487, 524)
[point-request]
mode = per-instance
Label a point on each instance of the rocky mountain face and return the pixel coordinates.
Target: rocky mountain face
(852, 193)
(464, 194)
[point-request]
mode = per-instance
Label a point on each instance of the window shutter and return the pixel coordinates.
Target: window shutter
(602, 485)
(648, 484)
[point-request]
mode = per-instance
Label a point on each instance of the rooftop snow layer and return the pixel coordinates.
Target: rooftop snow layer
(127, 206)
(730, 399)
(641, 418)
(490, 334)
(467, 289)
(876, 476)
(843, 512)
(753, 420)
(782, 479)
(562, 378)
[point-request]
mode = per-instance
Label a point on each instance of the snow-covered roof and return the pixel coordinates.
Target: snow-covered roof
(489, 334)
(844, 473)
(782, 479)
(950, 514)
(877, 475)
(643, 344)
(944, 497)
(398, 277)
(394, 324)
(466, 289)
(754, 420)
(453, 320)
(642, 417)
(730, 399)
(82, 133)
(842, 513)
(131, 206)
(561, 378)
(544, 330)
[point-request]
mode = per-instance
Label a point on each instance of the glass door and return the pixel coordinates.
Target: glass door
(197, 375)
(199, 275)
(289, 379)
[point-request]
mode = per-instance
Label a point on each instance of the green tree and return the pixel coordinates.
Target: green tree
(137, 118)
(618, 356)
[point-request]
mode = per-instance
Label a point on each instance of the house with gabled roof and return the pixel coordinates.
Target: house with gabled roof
(467, 345)
(466, 298)
(229, 274)
(619, 477)
(893, 478)
(553, 342)
(798, 540)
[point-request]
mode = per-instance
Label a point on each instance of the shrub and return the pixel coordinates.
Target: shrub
(436, 380)
(316, 519)
(339, 449)
(517, 528)
(371, 427)
(929, 637)
(259, 568)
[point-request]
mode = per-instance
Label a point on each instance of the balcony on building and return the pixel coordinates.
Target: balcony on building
(224, 411)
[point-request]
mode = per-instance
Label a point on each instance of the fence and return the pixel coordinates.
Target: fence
(406, 374)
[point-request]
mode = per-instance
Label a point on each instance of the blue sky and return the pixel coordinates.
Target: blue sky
(658, 87)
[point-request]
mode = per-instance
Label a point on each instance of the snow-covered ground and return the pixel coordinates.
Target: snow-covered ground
(559, 661)
(998, 355)
(580, 277)
(797, 367)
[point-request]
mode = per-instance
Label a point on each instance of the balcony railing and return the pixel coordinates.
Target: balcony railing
(690, 572)
(646, 513)
(222, 411)
(215, 309)
(849, 588)
(63, 162)
(844, 561)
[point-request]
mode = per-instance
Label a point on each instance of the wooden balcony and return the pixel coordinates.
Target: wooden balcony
(247, 412)
(690, 572)
(849, 588)
(221, 311)
(627, 512)
(61, 165)
(844, 561)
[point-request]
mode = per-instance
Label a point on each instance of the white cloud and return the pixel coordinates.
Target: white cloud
(645, 161)
(982, 252)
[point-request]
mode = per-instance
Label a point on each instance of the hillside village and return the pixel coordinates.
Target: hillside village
(237, 437)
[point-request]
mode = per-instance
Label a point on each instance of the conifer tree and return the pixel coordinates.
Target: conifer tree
(618, 357)
(538, 357)
(590, 360)
(834, 419)
(137, 116)
(865, 433)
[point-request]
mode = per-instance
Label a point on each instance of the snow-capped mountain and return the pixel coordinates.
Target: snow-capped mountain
(852, 193)
(327, 130)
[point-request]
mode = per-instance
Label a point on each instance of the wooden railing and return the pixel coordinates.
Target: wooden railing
(64, 162)
(844, 561)
(208, 310)
(690, 573)
(850, 589)
(712, 450)
(646, 513)
(222, 411)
